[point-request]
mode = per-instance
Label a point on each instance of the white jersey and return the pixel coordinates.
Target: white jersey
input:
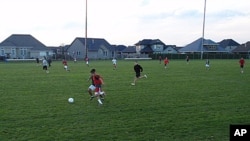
(45, 63)
(114, 61)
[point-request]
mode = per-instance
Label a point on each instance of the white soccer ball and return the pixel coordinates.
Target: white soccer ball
(71, 100)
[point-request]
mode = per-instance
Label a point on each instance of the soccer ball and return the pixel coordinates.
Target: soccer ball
(71, 100)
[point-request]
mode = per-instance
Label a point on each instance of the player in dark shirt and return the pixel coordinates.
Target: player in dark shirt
(138, 69)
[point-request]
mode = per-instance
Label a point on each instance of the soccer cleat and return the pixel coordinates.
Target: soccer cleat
(132, 84)
(145, 76)
(91, 97)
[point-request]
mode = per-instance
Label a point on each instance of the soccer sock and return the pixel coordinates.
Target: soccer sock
(99, 100)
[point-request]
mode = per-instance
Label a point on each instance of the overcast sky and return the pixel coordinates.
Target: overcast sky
(175, 22)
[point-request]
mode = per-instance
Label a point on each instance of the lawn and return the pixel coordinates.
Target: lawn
(184, 102)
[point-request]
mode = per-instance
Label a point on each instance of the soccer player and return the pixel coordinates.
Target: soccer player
(99, 93)
(242, 63)
(166, 61)
(160, 59)
(96, 84)
(207, 64)
(187, 59)
(92, 86)
(65, 65)
(114, 63)
(87, 61)
(138, 69)
(37, 61)
(45, 65)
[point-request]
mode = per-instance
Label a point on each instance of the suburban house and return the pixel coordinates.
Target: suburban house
(117, 49)
(209, 46)
(130, 52)
(243, 49)
(228, 44)
(97, 48)
(23, 46)
(154, 46)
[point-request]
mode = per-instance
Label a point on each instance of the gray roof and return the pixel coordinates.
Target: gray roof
(130, 49)
(228, 42)
(148, 42)
(243, 48)
(23, 40)
(118, 48)
(94, 44)
(147, 50)
(196, 46)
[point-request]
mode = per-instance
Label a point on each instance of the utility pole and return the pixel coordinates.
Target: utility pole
(86, 48)
(203, 30)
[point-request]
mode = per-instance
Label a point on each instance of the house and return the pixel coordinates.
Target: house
(149, 46)
(243, 49)
(129, 52)
(23, 46)
(209, 46)
(96, 48)
(170, 49)
(228, 44)
(154, 46)
(117, 51)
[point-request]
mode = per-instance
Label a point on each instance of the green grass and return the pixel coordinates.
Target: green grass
(183, 103)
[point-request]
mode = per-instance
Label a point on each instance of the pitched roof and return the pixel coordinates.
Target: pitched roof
(149, 42)
(228, 42)
(243, 48)
(147, 50)
(118, 48)
(94, 44)
(23, 40)
(195, 46)
(130, 49)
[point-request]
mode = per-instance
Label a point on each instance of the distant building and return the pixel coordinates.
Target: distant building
(208, 46)
(228, 44)
(23, 46)
(243, 49)
(96, 49)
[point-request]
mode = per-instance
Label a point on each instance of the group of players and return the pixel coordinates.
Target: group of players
(95, 89)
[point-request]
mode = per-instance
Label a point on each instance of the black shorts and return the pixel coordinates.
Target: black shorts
(241, 66)
(45, 67)
(137, 75)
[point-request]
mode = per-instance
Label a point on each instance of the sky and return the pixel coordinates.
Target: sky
(125, 22)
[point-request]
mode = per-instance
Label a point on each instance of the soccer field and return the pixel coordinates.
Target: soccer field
(184, 102)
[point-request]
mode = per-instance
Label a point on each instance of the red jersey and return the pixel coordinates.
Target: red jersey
(97, 80)
(64, 62)
(242, 62)
(166, 61)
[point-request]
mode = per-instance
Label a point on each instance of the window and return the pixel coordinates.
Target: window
(23, 51)
(13, 51)
(105, 53)
(2, 52)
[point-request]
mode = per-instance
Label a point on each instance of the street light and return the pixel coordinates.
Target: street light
(203, 29)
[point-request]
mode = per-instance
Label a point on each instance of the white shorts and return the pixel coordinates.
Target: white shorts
(207, 65)
(65, 67)
(92, 87)
(87, 62)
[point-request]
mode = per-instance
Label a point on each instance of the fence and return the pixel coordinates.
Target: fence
(198, 56)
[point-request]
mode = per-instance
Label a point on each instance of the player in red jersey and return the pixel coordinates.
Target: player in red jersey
(65, 65)
(166, 61)
(99, 93)
(242, 63)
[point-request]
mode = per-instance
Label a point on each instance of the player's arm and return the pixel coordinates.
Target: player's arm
(141, 69)
(101, 80)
